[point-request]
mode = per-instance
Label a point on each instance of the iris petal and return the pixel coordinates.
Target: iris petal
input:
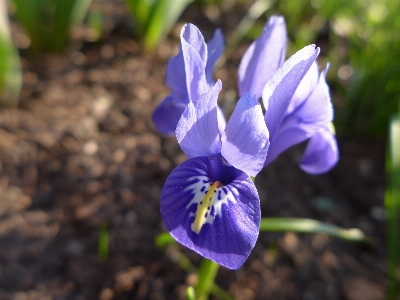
(280, 88)
(264, 56)
(195, 58)
(310, 114)
(176, 79)
(321, 153)
(231, 226)
(197, 131)
(305, 88)
(215, 47)
(245, 140)
(167, 114)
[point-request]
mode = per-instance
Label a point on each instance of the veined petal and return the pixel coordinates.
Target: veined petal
(321, 153)
(215, 47)
(264, 56)
(197, 131)
(167, 114)
(283, 141)
(280, 88)
(245, 140)
(310, 115)
(195, 57)
(228, 230)
(305, 88)
(317, 107)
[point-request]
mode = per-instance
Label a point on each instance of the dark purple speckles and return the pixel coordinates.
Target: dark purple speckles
(212, 212)
(203, 188)
(225, 190)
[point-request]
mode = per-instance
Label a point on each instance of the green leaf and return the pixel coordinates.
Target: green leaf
(10, 69)
(164, 239)
(311, 226)
(164, 16)
(48, 22)
(190, 293)
(392, 203)
(208, 271)
(103, 242)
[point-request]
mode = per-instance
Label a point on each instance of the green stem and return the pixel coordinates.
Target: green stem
(208, 271)
(311, 226)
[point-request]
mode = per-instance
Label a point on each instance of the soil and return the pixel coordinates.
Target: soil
(80, 156)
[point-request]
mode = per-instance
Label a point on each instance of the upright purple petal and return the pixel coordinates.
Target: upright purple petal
(195, 57)
(230, 214)
(215, 47)
(167, 114)
(264, 56)
(305, 88)
(317, 107)
(303, 120)
(280, 88)
(197, 131)
(246, 139)
(321, 153)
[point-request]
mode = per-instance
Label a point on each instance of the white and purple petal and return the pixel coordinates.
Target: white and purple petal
(280, 88)
(264, 56)
(245, 140)
(197, 131)
(229, 228)
(321, 153)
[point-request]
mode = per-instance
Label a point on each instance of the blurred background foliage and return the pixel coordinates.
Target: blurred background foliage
(10, 70)
(359, 38)
(49, 22)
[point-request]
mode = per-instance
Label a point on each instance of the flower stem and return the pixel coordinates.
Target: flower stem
(208, 271)
(311, 226)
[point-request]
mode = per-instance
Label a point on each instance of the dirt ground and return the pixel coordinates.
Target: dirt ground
(80, 154)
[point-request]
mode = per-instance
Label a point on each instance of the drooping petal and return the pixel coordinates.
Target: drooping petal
(215, 47)
(195, 57)
(311, 114)
(321, 153)
(197, 131)
(167, 114)
(245, 140)
(264, 56)
(228, 230)
(280, 88)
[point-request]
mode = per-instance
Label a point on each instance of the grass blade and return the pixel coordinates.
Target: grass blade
(311, 226)
(10, 69)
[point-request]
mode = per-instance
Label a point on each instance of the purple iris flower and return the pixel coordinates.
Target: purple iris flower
(188, 75)
(209, 202)
(309, 112)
